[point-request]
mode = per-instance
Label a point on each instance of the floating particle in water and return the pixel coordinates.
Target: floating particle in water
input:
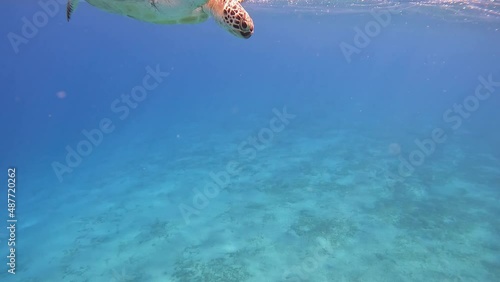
(394, 149)
(61, 94)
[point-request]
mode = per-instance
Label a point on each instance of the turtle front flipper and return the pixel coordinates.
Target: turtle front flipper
(70, 8)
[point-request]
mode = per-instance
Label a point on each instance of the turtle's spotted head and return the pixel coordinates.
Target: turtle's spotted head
(237, 20)
(233, 17)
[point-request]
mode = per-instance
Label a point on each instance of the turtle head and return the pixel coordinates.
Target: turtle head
(231, 15)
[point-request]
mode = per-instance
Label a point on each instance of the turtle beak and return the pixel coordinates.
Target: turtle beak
(247, 34)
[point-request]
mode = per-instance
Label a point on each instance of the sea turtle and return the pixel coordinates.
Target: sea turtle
(228, 13)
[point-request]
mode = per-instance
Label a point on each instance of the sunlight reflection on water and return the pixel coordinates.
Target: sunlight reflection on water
(464, 9)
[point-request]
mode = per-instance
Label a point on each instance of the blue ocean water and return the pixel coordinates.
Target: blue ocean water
(344, 141)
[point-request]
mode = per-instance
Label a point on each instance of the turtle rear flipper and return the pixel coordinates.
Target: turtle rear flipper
(70, 8)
